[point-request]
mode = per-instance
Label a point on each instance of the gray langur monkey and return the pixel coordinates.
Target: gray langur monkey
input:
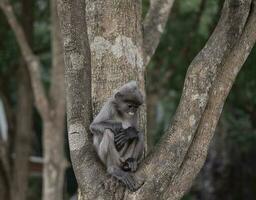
(116, 138)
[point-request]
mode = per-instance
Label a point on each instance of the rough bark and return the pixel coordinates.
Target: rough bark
(116, 47)
(78, 92)
(52, 109)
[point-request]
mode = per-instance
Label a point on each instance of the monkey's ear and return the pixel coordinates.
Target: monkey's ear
(118, 96)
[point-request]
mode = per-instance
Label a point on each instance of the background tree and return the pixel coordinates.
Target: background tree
(51, 107)
(24, 135)
(16, 172)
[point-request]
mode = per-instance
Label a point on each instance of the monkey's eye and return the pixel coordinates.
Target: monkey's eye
(129, 105)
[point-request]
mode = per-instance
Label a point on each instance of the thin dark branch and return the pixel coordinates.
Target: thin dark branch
(77, 58)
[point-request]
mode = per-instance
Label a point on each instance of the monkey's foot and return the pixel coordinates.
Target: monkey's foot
(111, 183)
(128, 179)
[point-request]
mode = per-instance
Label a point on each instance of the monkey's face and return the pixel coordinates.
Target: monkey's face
(127, 106)
(127, 109)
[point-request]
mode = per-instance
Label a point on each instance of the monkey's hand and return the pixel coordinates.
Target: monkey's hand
(130, 165)
(131, 132)
(124, 136)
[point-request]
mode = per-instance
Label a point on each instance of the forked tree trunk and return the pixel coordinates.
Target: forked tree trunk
(116, 56)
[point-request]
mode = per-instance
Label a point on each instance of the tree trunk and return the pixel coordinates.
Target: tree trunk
(116, 57)
(23, 138)
(53, 132)
(52, 109)
(116, 53)
(54, 161)
(116, 49)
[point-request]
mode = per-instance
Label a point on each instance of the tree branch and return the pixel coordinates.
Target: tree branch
(197, 152)
(201, 73)
(77, 58)
(57, 89)
(154, 25)
(32, 61)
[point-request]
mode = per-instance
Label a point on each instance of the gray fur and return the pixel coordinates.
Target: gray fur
(103, 127)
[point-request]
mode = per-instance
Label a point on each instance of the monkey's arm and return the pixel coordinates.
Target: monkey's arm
(105, 120)
(100, 127)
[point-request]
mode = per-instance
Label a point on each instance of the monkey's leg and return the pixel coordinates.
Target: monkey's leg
(133, 155)
(114, 164)
(106, 151)
(113, 157)
(102, 146)
(139, 148)
(130, 163)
